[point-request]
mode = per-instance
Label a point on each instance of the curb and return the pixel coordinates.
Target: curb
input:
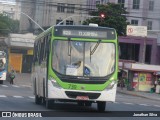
(138, 95)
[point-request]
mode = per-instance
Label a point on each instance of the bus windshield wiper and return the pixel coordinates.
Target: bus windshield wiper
(69, 49)
(95, 47)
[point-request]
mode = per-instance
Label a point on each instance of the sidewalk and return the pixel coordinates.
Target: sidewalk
(152, 96)
(23, 79)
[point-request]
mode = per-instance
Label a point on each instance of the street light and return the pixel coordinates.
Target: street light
(33, 21)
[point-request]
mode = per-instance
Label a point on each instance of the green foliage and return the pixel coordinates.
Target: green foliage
(114, 17)
(8, 25)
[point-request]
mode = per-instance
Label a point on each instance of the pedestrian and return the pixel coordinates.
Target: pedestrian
(121, 83)
(12, 76)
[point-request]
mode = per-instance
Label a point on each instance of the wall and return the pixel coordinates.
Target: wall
(140, 40)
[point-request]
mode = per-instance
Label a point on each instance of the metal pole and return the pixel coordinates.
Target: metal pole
(144, 50)
(33, 21)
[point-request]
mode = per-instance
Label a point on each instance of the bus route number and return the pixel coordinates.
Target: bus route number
(72, 86)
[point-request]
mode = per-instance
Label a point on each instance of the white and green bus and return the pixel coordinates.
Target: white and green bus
(3, 67)
(75, 63)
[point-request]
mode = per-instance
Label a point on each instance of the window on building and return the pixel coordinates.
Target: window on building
(151, 5)
(130, 51)
(148, 54)
(136, 4)
(98, 2)
(58, 21)
(61, 7)
(69, 22)
(149, 26)
(134, 22)
(121, 2)
(70, 8)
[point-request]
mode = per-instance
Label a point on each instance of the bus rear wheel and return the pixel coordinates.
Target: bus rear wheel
(38, 100)
(101, 106)
(1, 81)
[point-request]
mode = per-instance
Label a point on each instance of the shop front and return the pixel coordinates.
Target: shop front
(141, 76)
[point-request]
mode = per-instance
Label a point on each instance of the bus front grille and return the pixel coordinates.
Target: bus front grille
(71, 94)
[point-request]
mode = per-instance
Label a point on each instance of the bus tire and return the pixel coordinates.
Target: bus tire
(1, 81)
(38, 100)
(88, 104)
(101, 106)
(49, 104)
(80, 103)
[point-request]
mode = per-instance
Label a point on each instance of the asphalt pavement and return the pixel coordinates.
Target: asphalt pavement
(24, 79)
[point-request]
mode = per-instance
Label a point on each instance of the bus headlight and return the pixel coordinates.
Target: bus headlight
(54, 83)
(111, 85)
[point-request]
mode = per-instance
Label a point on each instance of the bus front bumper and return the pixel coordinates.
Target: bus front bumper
(60, 93)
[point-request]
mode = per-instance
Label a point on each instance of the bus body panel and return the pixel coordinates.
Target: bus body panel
(59, 93)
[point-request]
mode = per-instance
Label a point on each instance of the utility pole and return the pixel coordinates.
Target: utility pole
(144, 50)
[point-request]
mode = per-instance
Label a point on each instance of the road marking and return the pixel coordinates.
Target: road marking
(144, 104)
(116, 102)
(15, 86)
(129, 103)
(3, 96)
(18, 96)
(156, 105)
(31, 97)
(4, 85)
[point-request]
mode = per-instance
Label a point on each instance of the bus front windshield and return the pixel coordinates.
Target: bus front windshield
(80, 58)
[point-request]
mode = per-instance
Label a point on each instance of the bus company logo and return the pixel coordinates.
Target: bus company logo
(6, 114)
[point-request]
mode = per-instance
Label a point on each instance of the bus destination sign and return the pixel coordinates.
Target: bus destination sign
(84, 33)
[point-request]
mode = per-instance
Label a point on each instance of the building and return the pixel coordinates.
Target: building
(11, 9)
(50, 12)
(140, 12)
(20, 52)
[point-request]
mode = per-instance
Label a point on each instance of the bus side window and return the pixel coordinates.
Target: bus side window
(35, 59)
(38, 52)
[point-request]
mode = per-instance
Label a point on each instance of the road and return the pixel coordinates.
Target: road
(20, 98)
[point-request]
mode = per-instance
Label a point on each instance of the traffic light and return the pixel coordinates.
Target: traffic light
(102, 15)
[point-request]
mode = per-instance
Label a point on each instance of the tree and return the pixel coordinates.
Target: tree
(113, 16)
(8, 25)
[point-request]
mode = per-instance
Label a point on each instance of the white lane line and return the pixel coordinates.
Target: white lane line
(18, 96)
(128, 103)
(116, 102)
(3, 96)
(144, 104)
(156, 105)
(15, 86)
(4, 85)
(31, 97)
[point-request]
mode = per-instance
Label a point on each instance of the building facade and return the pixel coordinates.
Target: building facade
(140, 12)
(11, 9)
(50, 12)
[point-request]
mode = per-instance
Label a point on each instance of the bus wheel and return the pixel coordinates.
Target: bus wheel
(80, 103)
(38, 100)
(88, 104)
(101, 106)
(1, 81)
(49, 104)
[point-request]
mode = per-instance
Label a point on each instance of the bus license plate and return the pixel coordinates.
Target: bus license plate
(82, 98)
